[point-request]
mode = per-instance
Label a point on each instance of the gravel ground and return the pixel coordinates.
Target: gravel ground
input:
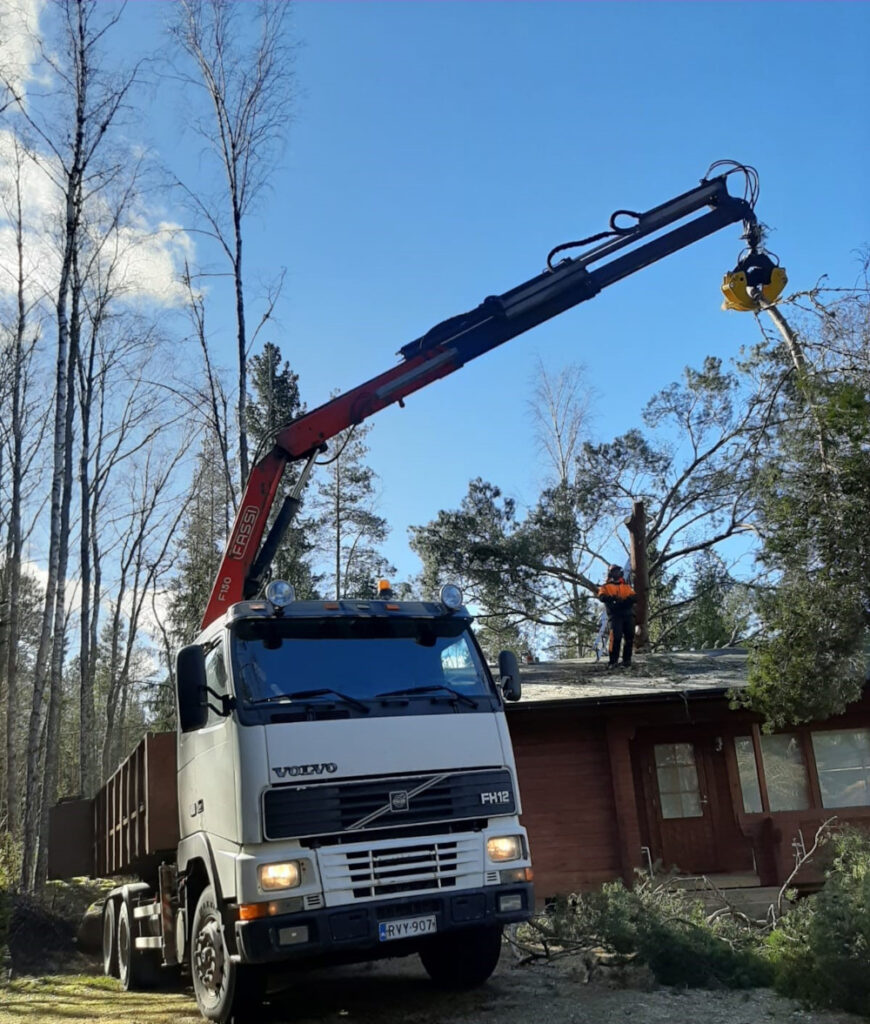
(565, 990)
(554, 992)
(399, 992)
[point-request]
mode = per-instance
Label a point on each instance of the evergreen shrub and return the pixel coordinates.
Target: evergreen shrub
(668, 931)
(820, 951)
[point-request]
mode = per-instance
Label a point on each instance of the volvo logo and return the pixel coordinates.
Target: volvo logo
(399, 800)
(295, 770)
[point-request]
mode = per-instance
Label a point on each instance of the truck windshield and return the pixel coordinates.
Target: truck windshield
(351, 660)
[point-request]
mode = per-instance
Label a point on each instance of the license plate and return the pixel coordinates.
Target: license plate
(406, 928)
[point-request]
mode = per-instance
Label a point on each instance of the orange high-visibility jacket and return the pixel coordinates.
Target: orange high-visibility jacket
(618, 598)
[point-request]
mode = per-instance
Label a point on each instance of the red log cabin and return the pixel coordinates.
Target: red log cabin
(653, 769)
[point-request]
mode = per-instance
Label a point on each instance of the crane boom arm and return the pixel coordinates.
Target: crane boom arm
(454, 342)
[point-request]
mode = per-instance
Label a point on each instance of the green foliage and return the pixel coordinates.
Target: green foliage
(668, 931)
(705, 624)
(815, 522)
(347, 525)
(820, 950)
(200, 545)
(275, 403)
(691, 467)
(479, 547)
(817, 636)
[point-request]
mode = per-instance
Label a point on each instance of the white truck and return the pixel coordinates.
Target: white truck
(342, 786)
(377, 816)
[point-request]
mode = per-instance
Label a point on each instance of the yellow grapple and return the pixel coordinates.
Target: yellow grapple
(756, 270)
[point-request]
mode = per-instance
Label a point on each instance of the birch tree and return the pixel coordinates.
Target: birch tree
(242, 61)
(72, 127)
(20, 438)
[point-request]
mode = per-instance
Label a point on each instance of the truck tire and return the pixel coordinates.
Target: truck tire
(224, 990)
(110, 937)
(463, 959)
(137, 968)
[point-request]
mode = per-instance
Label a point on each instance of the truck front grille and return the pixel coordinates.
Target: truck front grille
(392, 869)
(393, 803)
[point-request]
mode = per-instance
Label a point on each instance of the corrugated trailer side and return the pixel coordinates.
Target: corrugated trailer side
(135, 813)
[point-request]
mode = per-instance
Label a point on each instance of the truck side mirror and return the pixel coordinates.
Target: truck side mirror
(509, 671)
(191, 688)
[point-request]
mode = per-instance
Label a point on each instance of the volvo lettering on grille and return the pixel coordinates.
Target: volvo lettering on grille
(294, 770)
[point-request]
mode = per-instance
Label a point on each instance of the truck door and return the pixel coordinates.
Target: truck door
(206, 771)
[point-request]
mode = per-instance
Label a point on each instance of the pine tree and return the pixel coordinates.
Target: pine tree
(275, 402)
(348, 526)
(200, 546)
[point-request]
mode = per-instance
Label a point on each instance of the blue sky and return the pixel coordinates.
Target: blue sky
(440, 149)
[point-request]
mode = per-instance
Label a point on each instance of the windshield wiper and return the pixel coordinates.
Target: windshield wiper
(410, 690)
(304, 695)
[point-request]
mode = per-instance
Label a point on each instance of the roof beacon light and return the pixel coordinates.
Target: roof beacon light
(385, 591)
(451, 596)
(280, 593)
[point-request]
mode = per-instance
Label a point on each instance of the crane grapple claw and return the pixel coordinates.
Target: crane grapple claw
(754, 282)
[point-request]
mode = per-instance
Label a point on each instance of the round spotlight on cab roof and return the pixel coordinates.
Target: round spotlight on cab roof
(280, 593)
(451, 596)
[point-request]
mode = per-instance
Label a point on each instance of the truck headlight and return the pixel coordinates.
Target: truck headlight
(504, 848)
(286, 875)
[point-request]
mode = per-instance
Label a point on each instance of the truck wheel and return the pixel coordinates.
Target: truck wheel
(224, 989)
(463, 959)
(137, 968)
(110, 945)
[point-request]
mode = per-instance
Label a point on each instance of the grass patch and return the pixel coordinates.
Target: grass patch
(66, 998)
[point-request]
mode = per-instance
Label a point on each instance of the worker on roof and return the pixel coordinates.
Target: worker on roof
(618, 598)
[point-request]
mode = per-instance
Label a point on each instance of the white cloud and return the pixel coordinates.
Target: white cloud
(150, 260)
(19, 29)
(147, 254)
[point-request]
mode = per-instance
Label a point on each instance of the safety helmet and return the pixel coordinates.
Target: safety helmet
(614, 573)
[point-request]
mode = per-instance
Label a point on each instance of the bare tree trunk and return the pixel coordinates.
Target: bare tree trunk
(73, 145)
(636, 524)
(249, 86)
(89, 595)
(215, 397)
(10, 601)
(796, 352)
(43, 672)
(48, 794)
(241, 342)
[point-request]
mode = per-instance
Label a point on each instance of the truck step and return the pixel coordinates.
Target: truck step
(147, 910)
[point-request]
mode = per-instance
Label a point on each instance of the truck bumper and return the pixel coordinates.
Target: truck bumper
(352, 933)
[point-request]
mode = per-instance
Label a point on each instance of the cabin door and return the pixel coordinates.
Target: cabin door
(678, 787)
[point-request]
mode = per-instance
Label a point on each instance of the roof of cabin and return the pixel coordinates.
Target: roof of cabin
(659, 676)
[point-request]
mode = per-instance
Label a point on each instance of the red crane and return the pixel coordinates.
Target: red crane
(452, 343)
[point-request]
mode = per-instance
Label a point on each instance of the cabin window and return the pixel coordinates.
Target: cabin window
(843, 762)
(677, 775)
(785, 772)
(748, 771)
